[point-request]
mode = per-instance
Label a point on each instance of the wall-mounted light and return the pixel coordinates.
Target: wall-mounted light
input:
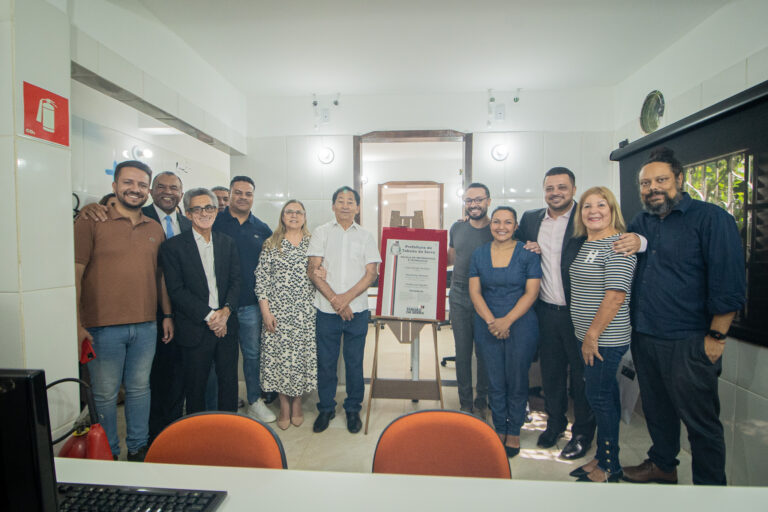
(459, 192)
(326, 155)
(363, 179)
(500, 152)
(137, 153)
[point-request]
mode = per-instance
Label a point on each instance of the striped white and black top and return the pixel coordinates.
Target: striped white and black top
(597, 269)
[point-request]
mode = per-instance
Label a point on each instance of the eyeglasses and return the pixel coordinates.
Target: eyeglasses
(196, 210)
(474, 200)
(294, 212)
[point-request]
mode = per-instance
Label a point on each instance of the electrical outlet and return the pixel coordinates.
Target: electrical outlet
(325, 115)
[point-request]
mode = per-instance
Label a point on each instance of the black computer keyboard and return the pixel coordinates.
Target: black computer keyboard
(117, 498)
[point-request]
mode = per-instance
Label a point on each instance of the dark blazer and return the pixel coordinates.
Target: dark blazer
(528, 231)
(184, 223)
(188, 288)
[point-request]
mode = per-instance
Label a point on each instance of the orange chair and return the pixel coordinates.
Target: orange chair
(218, 439)
(441, 443)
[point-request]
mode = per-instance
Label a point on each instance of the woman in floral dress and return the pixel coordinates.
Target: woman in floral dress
(285, 294)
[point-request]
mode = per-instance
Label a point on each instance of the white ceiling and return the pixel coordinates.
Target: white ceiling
(300, 47)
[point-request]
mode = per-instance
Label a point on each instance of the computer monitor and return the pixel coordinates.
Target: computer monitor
(26, 452)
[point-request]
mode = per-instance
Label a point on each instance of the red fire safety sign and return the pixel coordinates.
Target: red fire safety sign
(46, 115)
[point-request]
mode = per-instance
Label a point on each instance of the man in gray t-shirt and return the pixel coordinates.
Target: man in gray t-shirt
(465, 237)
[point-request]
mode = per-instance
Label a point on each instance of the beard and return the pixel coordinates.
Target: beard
(663, 208)
(121, 199)
(476, 212)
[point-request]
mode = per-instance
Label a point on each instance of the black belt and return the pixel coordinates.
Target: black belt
(552, 306)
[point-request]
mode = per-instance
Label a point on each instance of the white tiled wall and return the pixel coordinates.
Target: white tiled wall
(517, 181)
(9, 257)
(11, 351)
(41, 180)
(287, 167)
(37, 277)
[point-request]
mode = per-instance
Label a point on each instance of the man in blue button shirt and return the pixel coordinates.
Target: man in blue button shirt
(690, 283)
(249, 234)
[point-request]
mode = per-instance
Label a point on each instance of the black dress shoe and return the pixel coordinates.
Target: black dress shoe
(322, 421)
(576, 448)
(511, 451)
(611, 478)
(353, 422)
(578, 472)
(549, 438)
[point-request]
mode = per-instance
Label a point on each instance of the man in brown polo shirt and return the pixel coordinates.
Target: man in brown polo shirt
(117, 280)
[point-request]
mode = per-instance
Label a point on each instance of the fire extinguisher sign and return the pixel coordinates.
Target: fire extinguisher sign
(46, 115)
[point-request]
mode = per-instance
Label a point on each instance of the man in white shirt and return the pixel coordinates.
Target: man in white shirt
(350, 257)
(202, 274)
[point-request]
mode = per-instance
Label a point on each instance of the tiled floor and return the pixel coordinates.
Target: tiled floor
(338, 450)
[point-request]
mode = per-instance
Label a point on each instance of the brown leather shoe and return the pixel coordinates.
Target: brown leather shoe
(649, 472)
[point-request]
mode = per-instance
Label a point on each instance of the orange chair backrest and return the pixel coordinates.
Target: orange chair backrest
(218, 439)
(441, 443)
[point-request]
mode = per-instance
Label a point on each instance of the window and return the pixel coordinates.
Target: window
(724, 181)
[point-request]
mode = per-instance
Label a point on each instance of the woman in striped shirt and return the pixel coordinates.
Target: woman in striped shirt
(600, 287)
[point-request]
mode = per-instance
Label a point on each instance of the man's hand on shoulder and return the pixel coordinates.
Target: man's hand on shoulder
(627, 244)
(94, 211)
(533, 247)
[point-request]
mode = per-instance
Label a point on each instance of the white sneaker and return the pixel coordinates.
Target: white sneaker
(260, 411)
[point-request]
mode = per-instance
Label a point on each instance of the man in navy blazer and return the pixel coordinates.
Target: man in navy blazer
(202, 274)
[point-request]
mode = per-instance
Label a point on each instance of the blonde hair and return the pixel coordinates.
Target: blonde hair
(617, 219)
(276, 240)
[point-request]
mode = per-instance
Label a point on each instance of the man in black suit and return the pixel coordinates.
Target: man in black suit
(202, 274)
(549, 231)
(166, 381)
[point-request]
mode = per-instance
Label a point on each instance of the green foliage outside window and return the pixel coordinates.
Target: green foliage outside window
(721, 182)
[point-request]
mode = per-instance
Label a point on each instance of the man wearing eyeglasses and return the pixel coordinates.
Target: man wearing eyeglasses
(466, 236)
(203, 302)
(249, 234)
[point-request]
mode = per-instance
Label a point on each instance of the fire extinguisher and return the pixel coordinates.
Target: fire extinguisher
(87, 441)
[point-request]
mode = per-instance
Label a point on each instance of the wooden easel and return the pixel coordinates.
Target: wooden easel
(406, 330)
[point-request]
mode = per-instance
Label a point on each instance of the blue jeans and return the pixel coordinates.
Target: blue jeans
(249, 318)
(124, 355)
(330, 329)
(507, 362)
(602, 392)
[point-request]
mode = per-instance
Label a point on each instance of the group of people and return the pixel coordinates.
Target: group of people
(167, 299)
(574, 283)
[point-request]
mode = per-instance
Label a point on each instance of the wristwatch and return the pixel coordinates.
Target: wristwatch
(716, 335)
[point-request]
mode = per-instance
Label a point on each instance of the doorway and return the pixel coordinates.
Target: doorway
(418, 174)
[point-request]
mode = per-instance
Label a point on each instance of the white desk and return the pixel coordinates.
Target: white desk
(286, 490)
